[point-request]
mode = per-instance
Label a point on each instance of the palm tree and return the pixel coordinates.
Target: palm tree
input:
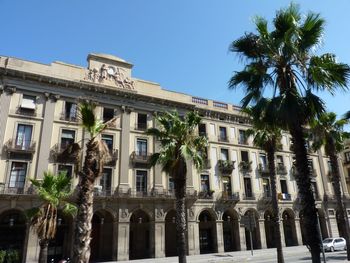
(97, 154)
(283, 61)
(53, 190)
(267, 136)
(329, 132)
(178, 143)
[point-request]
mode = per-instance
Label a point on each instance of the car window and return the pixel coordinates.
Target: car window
(328, 240)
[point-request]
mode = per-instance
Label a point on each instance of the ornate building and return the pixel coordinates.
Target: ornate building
(134, 204)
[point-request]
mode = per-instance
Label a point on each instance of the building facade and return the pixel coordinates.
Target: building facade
(134, 204)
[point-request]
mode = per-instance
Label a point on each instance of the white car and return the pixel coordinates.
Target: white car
(331, 244)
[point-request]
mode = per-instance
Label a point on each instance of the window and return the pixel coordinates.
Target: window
(70, 111)
(315, 190)
(224, 154)
(347, 157)
(141, 147)
(263, 162)
(24, 136)
(244, 156)
(108, 114)
(108, 139)
(205, 183)
(106, 179)
(18, 174)
(266, 187)
(141, 121)
(311, 166)
(248, 187)
(67, 138)
(284, 189)
(222, 134)
(279, 159)
(171, 185)
(141, 181)
(28, 102)
(226, 185)
(202, 130)
(242, 137)
(65, 168)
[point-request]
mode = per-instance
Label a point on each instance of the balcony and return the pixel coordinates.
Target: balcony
(26, 149)
(6, 190)
(68, 117)
(245, 167)
(242, 141)
(229, 196)
(223, 139)
(206, 164)
(281, 169)
(226, 166)
(206, 194)
(284, 197)
(26, 111)
(65, 153)
(112, 160)
(99, 191)
(266, 196)
(250, 196)
(203, 133)
(140, 159)
(263, 170)
(141, 126)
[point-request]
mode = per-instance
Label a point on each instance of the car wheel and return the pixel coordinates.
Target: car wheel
(332, 249)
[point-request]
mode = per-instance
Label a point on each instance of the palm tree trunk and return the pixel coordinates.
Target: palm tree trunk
(307, 200)
(272, 170)
(82, 233)
(44, 244)
(343, 222)
(180, 190)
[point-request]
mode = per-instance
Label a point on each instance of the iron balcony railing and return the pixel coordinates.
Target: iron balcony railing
(69, 117)
(249, 196)
(26, 112)
(226, 166)
(140, 158)
(24, 146)
(229, 196)
(141, 126)
(222, 138)
(113, 157)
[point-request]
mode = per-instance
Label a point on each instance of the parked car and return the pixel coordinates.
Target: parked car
(331, 244)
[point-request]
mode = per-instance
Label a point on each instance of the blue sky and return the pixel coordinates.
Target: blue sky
(183, 44)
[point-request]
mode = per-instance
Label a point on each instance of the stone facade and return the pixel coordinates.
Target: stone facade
(134, 204)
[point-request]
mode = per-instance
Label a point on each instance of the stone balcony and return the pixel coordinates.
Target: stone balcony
(263, 170)
(65, 153)
(245, 167)
(229, 197)
(140, 159)
(226, 166)
(113, 157)
(25, 150)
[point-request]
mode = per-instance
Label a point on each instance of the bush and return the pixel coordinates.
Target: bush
(2, 256)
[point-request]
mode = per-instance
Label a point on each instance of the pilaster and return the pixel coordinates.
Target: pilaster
(193, 238)
(262, 233)
(32, 246)
(283, 237)
(159, 237)
(242, 238)
(220, 236)
(5, 101)
(124, 184)
(333, 231)
(298, 231)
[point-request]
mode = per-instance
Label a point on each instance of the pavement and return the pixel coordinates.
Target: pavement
(298, 254)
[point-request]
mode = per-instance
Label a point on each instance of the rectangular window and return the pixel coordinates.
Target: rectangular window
(315, 190)
(205, 183)
(171, 185)
(67, 138)
(24, 136)
(279, 159)
(70, 111)
(224, 154)
(244, 156)
(212, 129)
(311, 166)
(226, 185)
(266, 187)
(106, 179)
(108, 139)
(141, 121)
(28, 102)
(242, 137)
(284, 189)
(68, 169)
(108, 114)
(248, 187)
(263, 161)
(141, 147)
(233, 132)
(18, 175)
(202, 129)
(141, 181)
(223, 134)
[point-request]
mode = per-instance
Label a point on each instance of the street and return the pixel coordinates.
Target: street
(291, 254)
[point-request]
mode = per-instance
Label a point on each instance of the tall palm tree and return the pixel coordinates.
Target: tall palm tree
(97, 154)
(329, 132)
(179, 143)
(283, 61)
(53, 191)
(267, 136)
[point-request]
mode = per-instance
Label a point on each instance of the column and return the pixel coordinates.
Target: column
(124, 152)
(5, 100)
(115, 240)
(262, 233)
(46, 134)
(242, 238)
(333, 231)
(283, 238)
(298, 231)
(123, 240)
(220, 236)
(193, 238)
(157, 170)
(159, 238)
(32, 247)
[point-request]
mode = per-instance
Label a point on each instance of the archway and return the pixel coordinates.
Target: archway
(255, 231)
(13, 232)
(323, 223)
(231, 231)
(170, 234)
(101, 236)
(207, 233)
(140, 237)
(60, 246)
(290, 235)
(270, 227)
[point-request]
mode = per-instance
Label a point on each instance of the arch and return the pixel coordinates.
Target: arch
(170, 234)
(290, 234)
(270, 228)
(209, 211)
(231, 230)
(140, 235)
(102, 236)
(323, 223)
(207, 232)
(13, 231)
(255, 232)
